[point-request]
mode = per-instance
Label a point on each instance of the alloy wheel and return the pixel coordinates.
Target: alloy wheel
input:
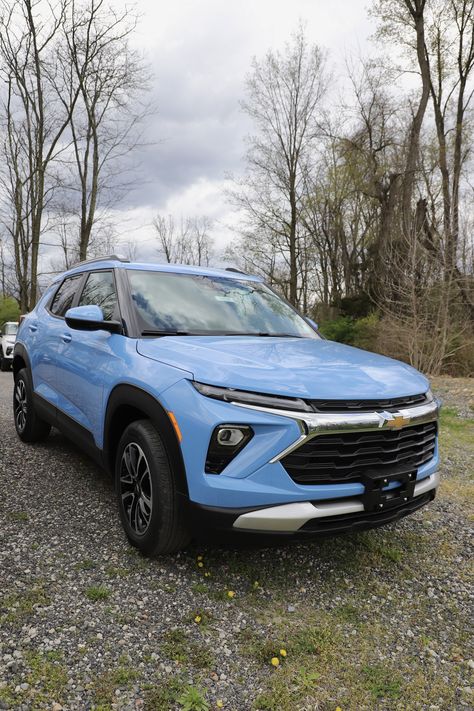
(136, 489)
(21, 405)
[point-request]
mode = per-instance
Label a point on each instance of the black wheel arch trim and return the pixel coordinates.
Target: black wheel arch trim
(20, 352)
(126, 395)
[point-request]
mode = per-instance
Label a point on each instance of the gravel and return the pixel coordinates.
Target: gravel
(88, 623)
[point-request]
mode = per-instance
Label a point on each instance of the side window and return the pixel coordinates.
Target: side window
(65, 295)
(99, 290)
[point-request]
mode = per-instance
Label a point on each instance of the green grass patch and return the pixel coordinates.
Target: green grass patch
(14, 608)
(104, 686)
(382, 683)
(86, 564)
(20, 516)
(98, 592)
(179, 648)
(456, 431)
(116, 572)
(163, 695)
(347, 613)
(193, 699)
(48, 676)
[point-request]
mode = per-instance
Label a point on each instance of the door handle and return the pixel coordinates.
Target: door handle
(67, 338)
(33, 328)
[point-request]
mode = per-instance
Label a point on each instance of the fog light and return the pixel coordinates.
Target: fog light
(226, 442)
(229, 436)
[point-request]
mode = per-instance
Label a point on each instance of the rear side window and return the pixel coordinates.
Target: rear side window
(64, 296)
(99, 290)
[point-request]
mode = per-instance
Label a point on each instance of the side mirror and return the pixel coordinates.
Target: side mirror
(90, 318)
(312, 323)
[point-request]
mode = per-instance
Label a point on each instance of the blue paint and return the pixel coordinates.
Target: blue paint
(77, 370)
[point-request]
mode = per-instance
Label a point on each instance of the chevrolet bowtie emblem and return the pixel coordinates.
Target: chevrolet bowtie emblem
(396, 422)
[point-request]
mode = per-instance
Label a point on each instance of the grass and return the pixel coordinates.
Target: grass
(86, 564)
(456, 432)
(163, 695)
(98, 592)
(457, 444)
(20, 516)
(381, 682)
(47, 678)
(103, 686)
(16, 607)
(178, 647)
(192, 699)
(48, 673)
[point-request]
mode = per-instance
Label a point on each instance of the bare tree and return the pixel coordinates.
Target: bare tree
(111, 80)
(284, 100)
(439, 35)
(71, 105)
(187, 242)
(34, 125)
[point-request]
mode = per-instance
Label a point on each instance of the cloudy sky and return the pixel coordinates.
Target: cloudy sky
(200, 52)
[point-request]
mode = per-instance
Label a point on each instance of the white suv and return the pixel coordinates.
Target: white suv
(7, 341)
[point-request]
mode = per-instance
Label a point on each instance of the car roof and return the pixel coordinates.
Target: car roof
(94, 265)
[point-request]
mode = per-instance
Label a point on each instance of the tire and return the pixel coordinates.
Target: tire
(146, 490)
(29, 427)
(4, 364)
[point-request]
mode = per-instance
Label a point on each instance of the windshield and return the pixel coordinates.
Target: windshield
(190, 304)
(10, 329)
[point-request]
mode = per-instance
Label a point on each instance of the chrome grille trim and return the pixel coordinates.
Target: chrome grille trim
(311, 424)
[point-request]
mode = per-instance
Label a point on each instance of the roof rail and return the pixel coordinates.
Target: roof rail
(106, 258)
(233, 269)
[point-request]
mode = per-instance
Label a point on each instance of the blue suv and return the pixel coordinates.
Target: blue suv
(215, 405)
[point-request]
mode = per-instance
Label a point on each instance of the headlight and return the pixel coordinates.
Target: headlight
(245, 397)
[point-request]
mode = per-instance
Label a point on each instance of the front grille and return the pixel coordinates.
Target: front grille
(344, 457)
(367, 405)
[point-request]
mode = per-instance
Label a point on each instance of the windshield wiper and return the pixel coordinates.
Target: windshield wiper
(148, 332)
(264, 334)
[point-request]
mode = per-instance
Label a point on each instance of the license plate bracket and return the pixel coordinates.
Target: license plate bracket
(376, 497)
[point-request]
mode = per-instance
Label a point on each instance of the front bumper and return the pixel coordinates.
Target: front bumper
(256, 477)
(308, 517)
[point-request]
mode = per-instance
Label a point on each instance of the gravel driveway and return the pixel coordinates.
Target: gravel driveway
(380, 620)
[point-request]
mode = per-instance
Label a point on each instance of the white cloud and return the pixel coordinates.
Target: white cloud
(200, 52)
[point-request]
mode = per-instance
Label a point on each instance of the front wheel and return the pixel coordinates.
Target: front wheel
(146, 489)
(29, 426)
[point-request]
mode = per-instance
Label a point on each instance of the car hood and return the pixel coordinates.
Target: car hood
(298, 367)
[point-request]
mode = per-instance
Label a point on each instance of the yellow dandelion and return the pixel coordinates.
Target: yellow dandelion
(275, 662)
(200, 564)
(338, 708)
(197, 619)
(219, 704)
(282, 652)
(230, 593)
(199, 557)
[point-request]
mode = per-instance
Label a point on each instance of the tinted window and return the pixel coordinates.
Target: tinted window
(99, 290)
(65, 295)
(207, 305)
